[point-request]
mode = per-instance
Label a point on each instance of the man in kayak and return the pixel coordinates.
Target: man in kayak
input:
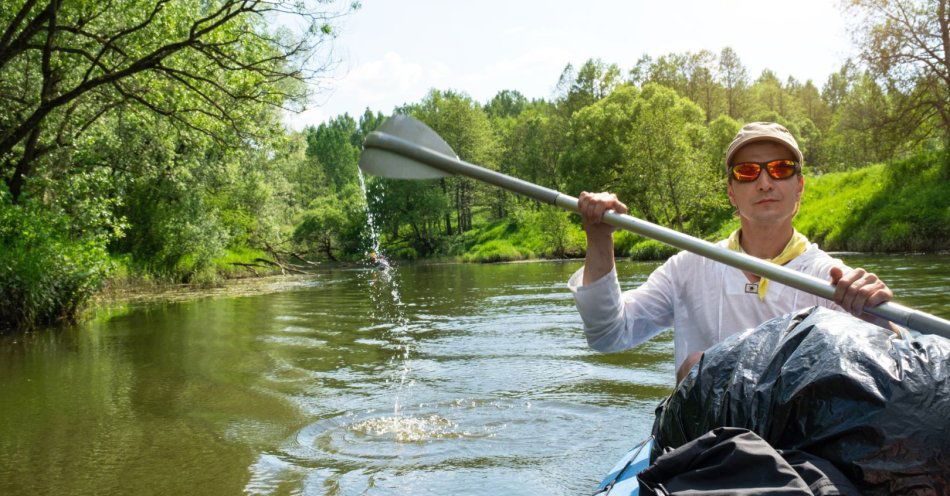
(703, 300)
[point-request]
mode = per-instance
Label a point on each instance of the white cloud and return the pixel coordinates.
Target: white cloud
(380, 84)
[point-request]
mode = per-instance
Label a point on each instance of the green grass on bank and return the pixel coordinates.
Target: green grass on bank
(124, 275)
(542, 233)
(898, 206)
(545, 233)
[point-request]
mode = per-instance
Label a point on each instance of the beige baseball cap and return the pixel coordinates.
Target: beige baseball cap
(762, 131)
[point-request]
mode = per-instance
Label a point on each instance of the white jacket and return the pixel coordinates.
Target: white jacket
(703, 300)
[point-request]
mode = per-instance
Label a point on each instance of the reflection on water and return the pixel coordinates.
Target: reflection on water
(460, 379)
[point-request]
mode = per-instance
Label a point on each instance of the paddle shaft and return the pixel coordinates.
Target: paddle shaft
(899, 314)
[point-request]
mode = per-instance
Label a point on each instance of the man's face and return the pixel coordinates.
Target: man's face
(766, 201)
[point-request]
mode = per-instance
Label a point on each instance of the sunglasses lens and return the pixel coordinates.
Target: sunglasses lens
(781, 169)
(746, 172)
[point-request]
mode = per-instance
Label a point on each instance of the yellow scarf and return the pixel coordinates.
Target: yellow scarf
(795, 247)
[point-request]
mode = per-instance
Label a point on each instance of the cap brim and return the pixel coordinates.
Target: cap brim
(756, 139)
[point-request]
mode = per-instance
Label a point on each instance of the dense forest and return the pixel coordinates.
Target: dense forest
(143, 139)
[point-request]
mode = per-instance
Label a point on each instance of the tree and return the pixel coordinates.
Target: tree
(691, 74)
(404, 203)
(64, 65)
(769, 95)
(506, 103)
(334, 224)
(735, 80)
(331, 145)
(907, 43)
(812, 105)
(321, 226)
(535, 144)
(838, 85)
(704, 90)
(601, 155)
(593, 81)
(368, 123)
(466, 128)
(865, 130)
(722, 130)
(648, 147)
(667, 144)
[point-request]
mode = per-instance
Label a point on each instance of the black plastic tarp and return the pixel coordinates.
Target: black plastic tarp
(874, 404)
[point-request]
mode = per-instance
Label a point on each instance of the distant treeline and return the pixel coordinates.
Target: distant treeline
(143, 140)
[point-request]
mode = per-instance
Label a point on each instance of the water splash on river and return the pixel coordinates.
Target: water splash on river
(375, 256)
(384, 291)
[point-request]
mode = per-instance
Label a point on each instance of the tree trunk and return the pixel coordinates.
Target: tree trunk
(23, 167)
(448, 215)
(327, 249)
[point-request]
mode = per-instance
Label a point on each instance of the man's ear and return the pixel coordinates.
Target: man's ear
(801, 185)
(732, 198)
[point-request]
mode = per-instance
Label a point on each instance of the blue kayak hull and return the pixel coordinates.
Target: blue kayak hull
(622, 479)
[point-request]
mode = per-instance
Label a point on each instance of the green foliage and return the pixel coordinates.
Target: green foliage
(534, 144)
(652, 250)
(496, 250)
(410, 211)
(529, 233)
(225, 264)
(624, 241)
(331, 146)
(903, 205)
(47, 270)
(335, 226)
(646, 145)
(432, 209)
(904, 44)
(506, 103)
(722, 130)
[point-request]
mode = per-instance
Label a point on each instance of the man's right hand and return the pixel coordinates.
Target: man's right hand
(592, 207)
(600, 240)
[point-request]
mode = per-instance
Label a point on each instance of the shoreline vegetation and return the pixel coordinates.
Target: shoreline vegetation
(896, 208)
(158, 156)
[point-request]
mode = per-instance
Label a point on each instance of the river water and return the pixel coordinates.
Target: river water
(431, 379)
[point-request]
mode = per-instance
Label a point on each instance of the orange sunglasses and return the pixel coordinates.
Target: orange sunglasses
(745, 172)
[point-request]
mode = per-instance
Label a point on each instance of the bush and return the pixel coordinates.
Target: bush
(652, 250)
(624, 241)
(174, 234)
(497, 250)
(46, 272)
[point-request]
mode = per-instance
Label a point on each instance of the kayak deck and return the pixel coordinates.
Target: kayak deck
(622, 479)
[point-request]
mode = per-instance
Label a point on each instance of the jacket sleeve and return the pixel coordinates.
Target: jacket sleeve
(615, 321)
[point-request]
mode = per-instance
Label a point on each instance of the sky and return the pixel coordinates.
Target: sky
(391, 52)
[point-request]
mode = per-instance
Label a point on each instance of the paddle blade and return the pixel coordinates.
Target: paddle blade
(379, 162)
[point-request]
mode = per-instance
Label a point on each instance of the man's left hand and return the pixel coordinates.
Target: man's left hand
(858, 290)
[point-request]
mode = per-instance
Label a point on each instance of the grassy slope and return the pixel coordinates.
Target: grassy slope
(122, 276)
(895, 207)
(518, 238)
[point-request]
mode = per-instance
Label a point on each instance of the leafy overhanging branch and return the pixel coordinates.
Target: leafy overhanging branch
(222, 61)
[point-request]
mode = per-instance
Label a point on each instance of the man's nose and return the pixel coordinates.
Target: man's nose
(764, 181)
